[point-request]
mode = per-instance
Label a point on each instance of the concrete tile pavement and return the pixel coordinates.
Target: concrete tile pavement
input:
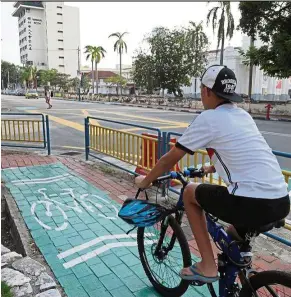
(97, 276)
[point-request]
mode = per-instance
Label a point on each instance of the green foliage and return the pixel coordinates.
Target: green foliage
(85, 83)
(95, 53)
(116, 81)
(5, 290)
(120, 45)
(226, 20)
(271, 22)
(173, 58)
(11, 71)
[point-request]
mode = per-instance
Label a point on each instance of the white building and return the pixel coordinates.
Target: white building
(49, 35)
(263, 86)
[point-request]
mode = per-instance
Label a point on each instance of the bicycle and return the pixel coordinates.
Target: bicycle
(99, 204)
(170, 250)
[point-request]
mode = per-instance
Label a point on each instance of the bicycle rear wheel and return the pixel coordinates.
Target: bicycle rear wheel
(268, 284)
(162, 265)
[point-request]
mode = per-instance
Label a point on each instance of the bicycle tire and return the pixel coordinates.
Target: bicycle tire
(186, 255)
(266, 279)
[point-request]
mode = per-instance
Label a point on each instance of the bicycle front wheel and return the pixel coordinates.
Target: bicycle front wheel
(268, 283)
(163, 256)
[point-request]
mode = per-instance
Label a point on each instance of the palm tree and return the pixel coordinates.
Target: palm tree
(199, 43)
(225, 9)
(29, 76)
(89, 51)
(119, 46)
(98, 53)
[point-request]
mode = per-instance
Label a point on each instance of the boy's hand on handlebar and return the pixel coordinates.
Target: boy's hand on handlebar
(208, 169)
(141, 183)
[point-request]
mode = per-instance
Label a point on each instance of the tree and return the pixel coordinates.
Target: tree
(116, 81)
(198, 43)
(85, 83)
(29, 76)
(98, 53)
(270, 22)
(119, 46)
(10, 74)
(142, 72)
(48, 76)
(173, 58)
(89, 49)
(74, 83)
(226, 19)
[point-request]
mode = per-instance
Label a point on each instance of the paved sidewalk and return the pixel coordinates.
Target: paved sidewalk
(82, 239)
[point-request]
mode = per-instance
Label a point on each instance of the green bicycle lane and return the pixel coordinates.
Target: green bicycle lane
(76, 228)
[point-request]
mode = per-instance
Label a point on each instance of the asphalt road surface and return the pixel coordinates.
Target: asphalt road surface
(67, 121)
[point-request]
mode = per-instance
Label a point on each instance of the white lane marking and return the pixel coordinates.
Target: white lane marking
(101, 250)
(40, 182)
(276, 134)
(94, 242)
(39, 179)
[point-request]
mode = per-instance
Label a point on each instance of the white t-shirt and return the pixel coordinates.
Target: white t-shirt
(238, 150)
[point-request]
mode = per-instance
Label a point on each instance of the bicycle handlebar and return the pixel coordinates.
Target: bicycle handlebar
(188, 172)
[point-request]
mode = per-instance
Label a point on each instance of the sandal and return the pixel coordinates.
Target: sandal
(196, 276)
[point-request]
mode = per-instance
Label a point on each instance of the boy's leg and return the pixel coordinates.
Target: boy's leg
(197, 220)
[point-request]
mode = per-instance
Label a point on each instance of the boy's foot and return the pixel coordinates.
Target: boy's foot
(196, 274)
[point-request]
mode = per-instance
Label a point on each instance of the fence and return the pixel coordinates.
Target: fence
(142, 151)
(32, 132)
(122, 145)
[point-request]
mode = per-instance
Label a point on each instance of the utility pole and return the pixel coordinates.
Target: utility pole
(79, 73)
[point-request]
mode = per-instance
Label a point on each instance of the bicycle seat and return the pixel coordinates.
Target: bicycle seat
(268, 227)
(241, 232)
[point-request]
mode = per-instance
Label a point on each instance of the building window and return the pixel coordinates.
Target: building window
(61, 65)
(61, 49)
(60, 31)
(60, 23)
(61, 40)
(59, 7)
(61, 57)
(42, 64)
(59, 14)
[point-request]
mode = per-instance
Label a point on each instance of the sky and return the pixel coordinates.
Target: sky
(99, 19)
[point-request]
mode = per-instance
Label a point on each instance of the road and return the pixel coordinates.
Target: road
(67, 121)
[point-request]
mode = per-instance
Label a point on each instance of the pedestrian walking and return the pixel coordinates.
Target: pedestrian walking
(47, 94)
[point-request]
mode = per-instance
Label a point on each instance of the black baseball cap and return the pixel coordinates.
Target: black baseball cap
(222, 82)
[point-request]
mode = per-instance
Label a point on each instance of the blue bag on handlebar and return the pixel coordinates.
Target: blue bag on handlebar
(141, 213)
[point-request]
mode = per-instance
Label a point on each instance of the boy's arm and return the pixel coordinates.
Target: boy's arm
(165, 164)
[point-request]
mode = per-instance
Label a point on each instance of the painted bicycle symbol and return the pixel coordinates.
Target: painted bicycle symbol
(92, 203)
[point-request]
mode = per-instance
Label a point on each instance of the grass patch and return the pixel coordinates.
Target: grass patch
(5, 290)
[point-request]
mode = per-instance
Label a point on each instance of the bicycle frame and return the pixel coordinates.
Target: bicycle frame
(232, 259)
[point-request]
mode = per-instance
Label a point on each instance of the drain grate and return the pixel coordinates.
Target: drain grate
(71, 154)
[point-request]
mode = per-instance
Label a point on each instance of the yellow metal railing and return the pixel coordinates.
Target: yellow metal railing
(135, 149)
(22, 130)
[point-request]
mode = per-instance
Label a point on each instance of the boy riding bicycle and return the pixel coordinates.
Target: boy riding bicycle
(256, 193)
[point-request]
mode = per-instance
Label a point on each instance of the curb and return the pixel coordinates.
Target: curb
(262, 118)
(21, 235)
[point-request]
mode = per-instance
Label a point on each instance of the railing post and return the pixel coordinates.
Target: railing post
(48, 134)
(87, 138)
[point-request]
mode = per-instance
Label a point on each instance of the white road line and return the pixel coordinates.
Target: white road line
(40, 182)
(276, 134)
(39, 179)
(94, 242)
(101, 250)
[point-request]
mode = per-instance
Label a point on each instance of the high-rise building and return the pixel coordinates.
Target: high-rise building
(49, 35)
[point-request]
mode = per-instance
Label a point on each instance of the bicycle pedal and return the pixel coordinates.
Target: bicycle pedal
(197, 283)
